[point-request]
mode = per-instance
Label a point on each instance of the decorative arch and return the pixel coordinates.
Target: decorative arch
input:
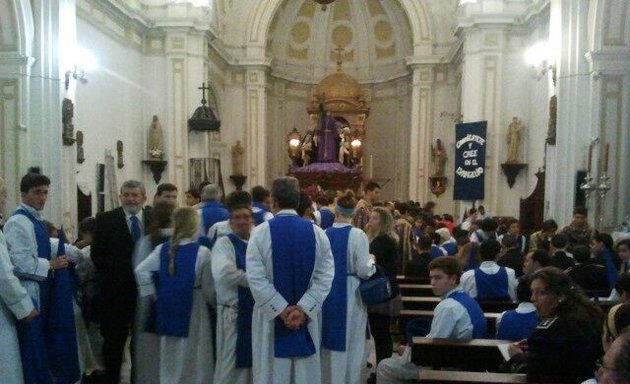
(261, 18)
(22, 19)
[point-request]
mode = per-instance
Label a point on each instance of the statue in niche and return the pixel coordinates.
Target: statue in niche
(438, 155)
(514, 140)
(237, 158)
(119, 151)
(67, 113)
(344, 146)
(156, 145)
(80, 150)
(327, 134)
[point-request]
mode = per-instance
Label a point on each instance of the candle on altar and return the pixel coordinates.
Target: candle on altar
(590, 157)
(606, 152)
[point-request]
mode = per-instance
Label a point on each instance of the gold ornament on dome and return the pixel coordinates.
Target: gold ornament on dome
(339, 92)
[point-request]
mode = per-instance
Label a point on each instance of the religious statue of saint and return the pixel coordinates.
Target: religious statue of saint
(438, 155)
(514, 139)
(156, 146)
(344, 146)
(120, 161)
(237, 158)
(327, 133)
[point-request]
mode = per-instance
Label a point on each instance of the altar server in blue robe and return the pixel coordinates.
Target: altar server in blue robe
(235, 303)
(48, 344)
(211, 211)
(457, 316)
(344, 316)
(184, 294)
(290, 269)
(261, 204)
(15, 305)
(519, 323)
(490, 281)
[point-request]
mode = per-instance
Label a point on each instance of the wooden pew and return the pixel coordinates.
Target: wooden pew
(412, 280)
(437, 377)
(409, 314)
(477, 355)
(416, 289)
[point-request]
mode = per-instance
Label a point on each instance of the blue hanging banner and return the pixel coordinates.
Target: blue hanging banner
(470, 161)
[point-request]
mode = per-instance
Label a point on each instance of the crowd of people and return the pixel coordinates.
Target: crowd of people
(265, 287)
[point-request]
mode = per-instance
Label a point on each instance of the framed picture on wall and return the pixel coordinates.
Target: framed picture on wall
(205, 169)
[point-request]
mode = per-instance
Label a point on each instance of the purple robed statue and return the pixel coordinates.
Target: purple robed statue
(327, 135)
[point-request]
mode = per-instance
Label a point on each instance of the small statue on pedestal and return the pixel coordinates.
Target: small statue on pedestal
(155, 142)
(344, 146)
(119, 151)
(237, 158)
(438, 155)
(514, 140)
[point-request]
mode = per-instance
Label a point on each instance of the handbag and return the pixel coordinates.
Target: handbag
(377, 289)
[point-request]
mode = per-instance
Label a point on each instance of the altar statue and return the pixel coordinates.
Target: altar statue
(237, 158)
(514, 139)
(308, 145)
(327, 133)
(155, 145)
(344, 146)
(438, 155)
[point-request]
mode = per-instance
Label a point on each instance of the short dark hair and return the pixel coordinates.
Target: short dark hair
(489, 249)
(260, 193)
(448, 265)
(559, 241)
(202, 185)
(541, 257)
(33, 180)
(165, 187)
(472, 211)
(523, 290)
(580, 211)
(548, 225)
(606, 239)
(194, 193)
(305, 203)
(622, 360)
(371, 185)
(425, 242)
(87, 225)
(238, 198)
(489, 224)
(582, 253)
(286, 192)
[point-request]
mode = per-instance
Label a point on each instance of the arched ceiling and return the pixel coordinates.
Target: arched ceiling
(375, 36)
(8, 26)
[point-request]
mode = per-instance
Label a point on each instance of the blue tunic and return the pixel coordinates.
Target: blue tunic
(327, 218)
(211, 213)
(293, 254)
(245, 309)
(437, 251)
(516, 326)
(335, 308)
(492, 287)
(259, 212)
(480, 327)
(175, 292)
(450, 248)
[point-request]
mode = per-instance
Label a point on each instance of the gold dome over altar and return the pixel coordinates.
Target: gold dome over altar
(338, 85)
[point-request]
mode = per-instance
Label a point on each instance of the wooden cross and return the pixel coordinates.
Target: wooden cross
(339, 51)
(203, 93)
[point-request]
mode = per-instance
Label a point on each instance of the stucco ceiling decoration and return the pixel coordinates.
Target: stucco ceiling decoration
(375, 36)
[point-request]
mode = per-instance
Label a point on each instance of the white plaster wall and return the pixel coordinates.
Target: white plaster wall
(113, 106)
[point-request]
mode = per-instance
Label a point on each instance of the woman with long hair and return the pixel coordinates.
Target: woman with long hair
(566, 344)
(184, 292)
(146, 366)
(344, 316)
(384, 248)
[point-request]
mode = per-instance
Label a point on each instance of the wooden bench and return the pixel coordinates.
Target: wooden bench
(409, 314)
(477, 355)
(412, 280)
(437, 377)
(429, 303)
(416, 289)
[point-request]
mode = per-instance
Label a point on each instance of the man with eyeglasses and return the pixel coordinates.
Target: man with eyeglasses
(614, 368)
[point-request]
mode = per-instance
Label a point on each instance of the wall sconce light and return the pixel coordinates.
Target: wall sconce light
(84, 61)
(294, 142)
(356, 148)
(539, 56)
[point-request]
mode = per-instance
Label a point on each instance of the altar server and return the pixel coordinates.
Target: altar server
(344, 316)
(184, 293)
(290, 270)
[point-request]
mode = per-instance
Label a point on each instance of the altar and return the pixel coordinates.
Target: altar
(330, 153)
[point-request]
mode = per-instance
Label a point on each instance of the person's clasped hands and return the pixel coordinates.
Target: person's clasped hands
(293, 317)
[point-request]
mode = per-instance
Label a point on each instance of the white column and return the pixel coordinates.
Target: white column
(573, 131)
(419, 136)
(255, 120)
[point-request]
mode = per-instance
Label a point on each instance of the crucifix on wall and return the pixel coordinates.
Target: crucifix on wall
(339, 51)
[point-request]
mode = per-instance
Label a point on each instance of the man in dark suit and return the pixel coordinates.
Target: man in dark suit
(591, 277)
(512, 256)
(114, 239)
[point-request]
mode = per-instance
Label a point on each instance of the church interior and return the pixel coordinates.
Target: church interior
(84, 83)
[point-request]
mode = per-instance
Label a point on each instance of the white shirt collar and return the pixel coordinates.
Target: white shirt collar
(341, 225)
(525, 307)
(287, 212)
(488, 264)
(37, 214)
(451, 291)
(138, 215)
